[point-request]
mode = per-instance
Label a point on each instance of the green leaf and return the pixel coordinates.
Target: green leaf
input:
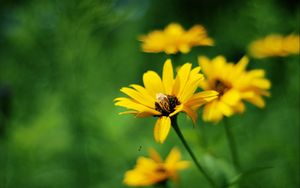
(246, 173)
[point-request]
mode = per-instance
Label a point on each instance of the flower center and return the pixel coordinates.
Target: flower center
(166, 103)
(160, 169)
(221, 87)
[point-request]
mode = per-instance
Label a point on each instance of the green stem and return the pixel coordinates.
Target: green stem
(163, 184)
(182, 139)
(232, 144)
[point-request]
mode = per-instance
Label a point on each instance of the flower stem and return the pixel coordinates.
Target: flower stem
(162, 184)
(232, 144)
(182, 139)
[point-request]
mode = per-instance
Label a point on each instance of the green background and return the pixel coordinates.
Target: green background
(63, 62)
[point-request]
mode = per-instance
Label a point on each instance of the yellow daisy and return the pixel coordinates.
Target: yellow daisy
(153, 170)
(234, 85)
(166, 97)
(174, 39)
(275, 45)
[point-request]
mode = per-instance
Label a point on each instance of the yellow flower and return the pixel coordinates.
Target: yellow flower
(234, 85)
(174, 38)
(166, 97)
(150, 171)
(275, 45)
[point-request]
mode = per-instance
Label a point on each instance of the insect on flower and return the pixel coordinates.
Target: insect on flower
(166, 97)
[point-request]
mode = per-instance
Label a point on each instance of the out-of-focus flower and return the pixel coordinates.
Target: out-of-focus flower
(153, 170)
(166, 97)
(275, 45)
(234, 85)
(175, 39)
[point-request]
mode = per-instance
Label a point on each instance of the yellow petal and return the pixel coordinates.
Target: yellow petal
(231, 97)
(173, 163)
(205, 64)
(143, 92)
(137, 96)
(153, 83)
(162, 128)
(130, 104)
(261, 83)
(146, 164)
(143, 174)
(208, 95)
(240, 107)
(257, 101)
(173, 157)
(184, 48)
(219, 63)
(211, 112)
(208, 42)
(257, 73)
(201, 98)
(182, 165)
(135, 178)
(191, 113)
(242, 64)
(174, 29)
(170, 50)
(191, 85)
(128, 112)
(225, 109)
(247, 94)
(154, 155)
(181, 79)
(168, 77)
(143, 114)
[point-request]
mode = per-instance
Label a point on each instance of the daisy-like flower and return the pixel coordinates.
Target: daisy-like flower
(166, 97)
(234, 85)
(153, 170)
(175, 39)
(275, 46)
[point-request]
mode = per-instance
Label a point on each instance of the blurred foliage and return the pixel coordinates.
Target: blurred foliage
(62, 64)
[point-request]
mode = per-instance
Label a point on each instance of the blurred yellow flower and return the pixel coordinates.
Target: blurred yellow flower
(275, 45)
(234, 85)
(166, 97)
(174, 39)
(150, 171)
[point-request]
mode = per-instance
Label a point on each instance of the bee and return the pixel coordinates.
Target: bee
(166, 103)
(140, 148)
